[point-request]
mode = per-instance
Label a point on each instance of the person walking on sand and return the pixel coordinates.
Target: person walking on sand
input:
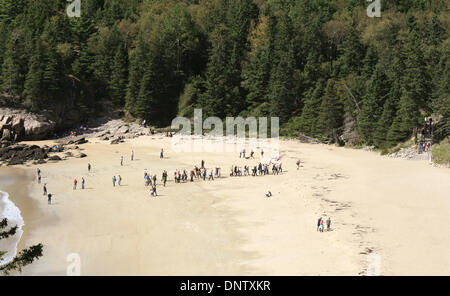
(203, 164)
(298, 164)
(45, 189)
(161, 155)
(321, 225)
(121, 160)
(38, 171)
(75, 184)
(262, 153)
(82, 183)
(49, 198)
(153, 191)
(114, 181)
(120, 180)
(132, 155)
(89, 167)
(39, 179)
(164, 178)
(328, 224)
(318, 223)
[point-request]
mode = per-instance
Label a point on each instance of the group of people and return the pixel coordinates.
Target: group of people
(49, 195)
(320, 226)
(118, 180)
(252, 153)
(150, 180)
(75, 182)
(196, 173)
(257, 170)
(182, 176)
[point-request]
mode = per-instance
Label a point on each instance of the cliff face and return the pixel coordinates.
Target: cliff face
(18, 125)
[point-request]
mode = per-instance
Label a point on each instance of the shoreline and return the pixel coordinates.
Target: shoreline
(15, 181)
(226, 227)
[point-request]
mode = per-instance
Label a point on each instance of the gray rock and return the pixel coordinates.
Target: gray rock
(7, 135)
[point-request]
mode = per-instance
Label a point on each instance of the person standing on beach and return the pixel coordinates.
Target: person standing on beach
(38, 171)
(120, 180)
(161, 155)
(203, 164)
(328, 224)
(82, 183)
(164, 178)
(45, 189)
(121, 160)
(114, 181)
(89, 167)
(39, 179)
(298, 164)
(318, 223)
(262, 153)
(132, 155)
(321, 225)
(49, 198)
(75, 184)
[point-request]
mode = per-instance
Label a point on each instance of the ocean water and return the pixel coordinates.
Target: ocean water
(11, 212)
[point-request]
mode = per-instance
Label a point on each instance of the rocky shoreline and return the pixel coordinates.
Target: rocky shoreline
(19, 125)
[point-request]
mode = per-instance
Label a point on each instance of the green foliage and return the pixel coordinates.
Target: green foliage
(315, 64)
(330, 117)
(24, 258)
(441, 152)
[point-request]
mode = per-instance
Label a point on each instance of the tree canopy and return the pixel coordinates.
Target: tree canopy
(317, 64)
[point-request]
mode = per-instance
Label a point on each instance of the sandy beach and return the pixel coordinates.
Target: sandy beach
(394, 209)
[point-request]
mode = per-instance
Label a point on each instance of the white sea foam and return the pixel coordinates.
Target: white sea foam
(12, 213)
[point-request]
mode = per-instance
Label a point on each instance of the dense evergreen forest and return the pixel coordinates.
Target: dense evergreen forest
(322, 66)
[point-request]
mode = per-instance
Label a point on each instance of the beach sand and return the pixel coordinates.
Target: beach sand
(390, 209)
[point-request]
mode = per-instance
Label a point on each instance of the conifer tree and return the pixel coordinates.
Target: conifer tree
(313, 101)
(372, 108)
(119, 77)
(331, 113)
(34, 78)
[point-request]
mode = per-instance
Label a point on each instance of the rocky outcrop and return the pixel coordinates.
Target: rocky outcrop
(17, 125)
(305, 139)
(73, 140)
(410, 153)
(19, 154)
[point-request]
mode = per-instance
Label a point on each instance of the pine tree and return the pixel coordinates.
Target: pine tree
(415, 92)
(12, 78)
(380, 136)
(51, 74)
(223, 96)
(330, 113)
(34, 79)
(372, 108)
(24, 258)
(146, 100)
(119, 76)
(258, 77)
(281, 92)
(138, 62)
(313, 101)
